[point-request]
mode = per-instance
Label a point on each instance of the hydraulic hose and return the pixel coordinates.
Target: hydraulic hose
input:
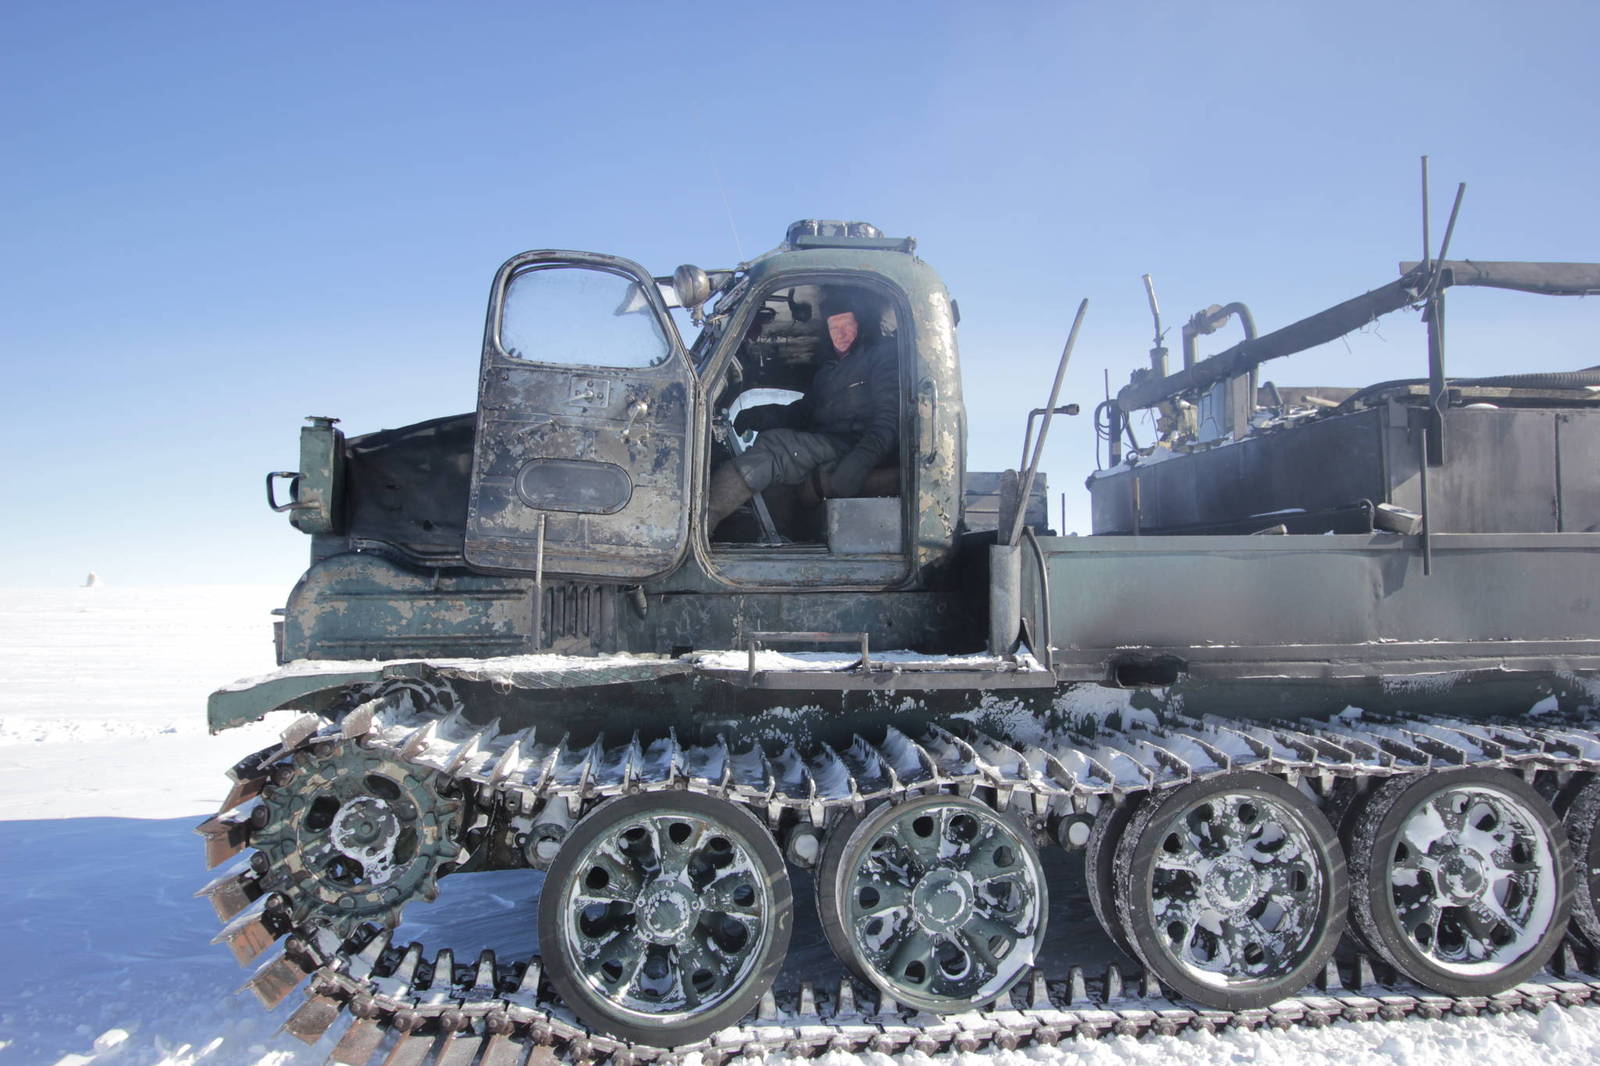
(1588, 377)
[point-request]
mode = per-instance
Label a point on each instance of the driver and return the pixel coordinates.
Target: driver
(845, 425)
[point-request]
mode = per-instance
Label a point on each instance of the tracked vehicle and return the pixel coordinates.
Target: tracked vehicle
(519, 648)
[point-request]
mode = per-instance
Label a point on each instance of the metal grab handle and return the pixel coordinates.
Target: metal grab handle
(760, 638)
(1044, 429)
(294, 503)
(929, 434)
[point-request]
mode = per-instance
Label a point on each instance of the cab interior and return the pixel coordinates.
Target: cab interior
(783, 344)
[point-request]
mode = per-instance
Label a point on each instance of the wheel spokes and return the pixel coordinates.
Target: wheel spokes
(1235, 889)
(666, 913)
(1467, 877)
(620, 964)
(700, 970)
(881, 897)
(733, 894)
(678, 841)
(609, 879)
(940, 902)
(911, 953)
(989, 939)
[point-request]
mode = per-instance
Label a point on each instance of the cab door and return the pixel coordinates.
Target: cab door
(586, 413)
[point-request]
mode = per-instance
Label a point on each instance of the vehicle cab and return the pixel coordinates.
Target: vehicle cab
(598, 428)
(569, 512)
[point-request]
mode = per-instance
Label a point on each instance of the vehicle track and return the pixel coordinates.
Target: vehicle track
(407, 1008)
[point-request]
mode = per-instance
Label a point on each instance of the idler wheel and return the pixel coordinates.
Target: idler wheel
(664, 917)
(1461, 880)
(1231, 890)
(353, 835)
(939, 901)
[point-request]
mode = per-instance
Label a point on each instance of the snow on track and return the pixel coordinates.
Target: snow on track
(106, 767)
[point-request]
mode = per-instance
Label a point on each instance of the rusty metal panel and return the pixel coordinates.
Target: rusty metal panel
(587, 408)
(457, 1048)
(247, 936)
(504, 1049)
(1578, 475)
(1352, 598)
(226, 836)
(359, 1043)
(360, 606)
(313, 1018)
(321, 478)
(273, 982)
(411, 1049)
(1499, 474)
(231, 894)
(981, 503)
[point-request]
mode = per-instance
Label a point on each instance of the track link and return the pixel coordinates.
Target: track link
(413, 1009)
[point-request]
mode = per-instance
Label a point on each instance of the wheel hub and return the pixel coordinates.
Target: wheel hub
(666, 912)
(1232, 884)
(364, 827)
(942, 900)
(1463, 875)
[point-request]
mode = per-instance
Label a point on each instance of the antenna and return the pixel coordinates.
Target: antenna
(722, 188)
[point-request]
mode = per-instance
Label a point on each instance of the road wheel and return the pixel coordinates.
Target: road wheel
(1099, 862)
(1231, 890)
(1579, 808)
(1461, 880)
(664, 917)
(939, 901)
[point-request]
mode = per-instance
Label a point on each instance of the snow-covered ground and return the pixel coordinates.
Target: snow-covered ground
(106, 767)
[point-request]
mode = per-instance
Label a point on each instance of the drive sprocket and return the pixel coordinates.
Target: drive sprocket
(351, 835)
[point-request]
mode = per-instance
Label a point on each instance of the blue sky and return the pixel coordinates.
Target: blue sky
(223, 217)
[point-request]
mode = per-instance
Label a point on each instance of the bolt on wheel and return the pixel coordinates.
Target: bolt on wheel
(940, 901)
(1231, 890)
(1461, 880)
(354, 835)
(664, 918)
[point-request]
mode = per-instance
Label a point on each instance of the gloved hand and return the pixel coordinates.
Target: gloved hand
(849, 475)
(767, 416)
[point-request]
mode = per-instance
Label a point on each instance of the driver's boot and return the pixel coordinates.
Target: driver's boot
(727, 492)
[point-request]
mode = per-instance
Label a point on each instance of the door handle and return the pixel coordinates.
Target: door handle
(636, 410)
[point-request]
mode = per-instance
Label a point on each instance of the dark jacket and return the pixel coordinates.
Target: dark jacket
(855, 395)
